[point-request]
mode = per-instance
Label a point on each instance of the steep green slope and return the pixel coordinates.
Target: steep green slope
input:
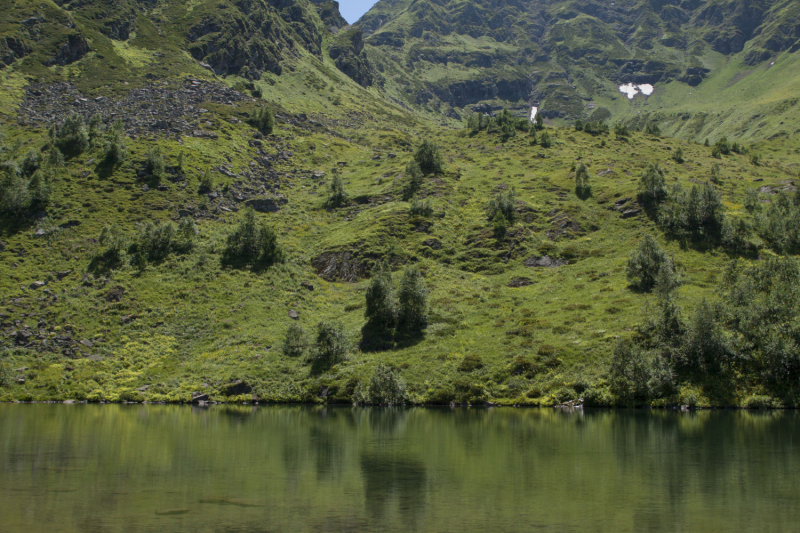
(568, 58)
(100, 300)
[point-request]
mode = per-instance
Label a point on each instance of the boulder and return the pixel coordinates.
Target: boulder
(544, 261)
(236, 388)
(38, 284)
(198, 397)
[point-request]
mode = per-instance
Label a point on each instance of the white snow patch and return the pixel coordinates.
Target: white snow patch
(631, 90)
(534, 110)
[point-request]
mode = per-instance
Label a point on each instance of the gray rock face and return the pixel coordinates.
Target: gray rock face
(266, 205)
(72, 50)
(545, 261)
(236, 388)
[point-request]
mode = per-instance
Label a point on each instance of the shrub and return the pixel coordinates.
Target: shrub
(504, 204)
(645, 262)
(206, 182)
(715, 173)
(114, 151)
(678, 155)
(582, 187)
(629, 373)
(578, 125)
(385, 387)
(420, 209)
(414, 180)
(31, 162)
(95, 129)
(621, 130)
(156, 240)
(263, 120)
(40, 187)
(71, 138)
(412, 297)
(705, 349)
(14, 193)
(757, 401)
(696, 212)
(154, 163)
(337, 196)
(722, 146)
(538, 121)
(252, 243)
(187, 231)
(114, 240)
(330, 347)
(544, 140)
(652, 184)
(755, 159)
(470, 363)
(294, 343)
(652, 129)
(429, 158)
(55, 159)
(381, 308)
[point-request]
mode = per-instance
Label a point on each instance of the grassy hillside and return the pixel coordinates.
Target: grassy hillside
(97, 302)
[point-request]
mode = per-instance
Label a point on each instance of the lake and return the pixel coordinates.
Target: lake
(234, 468)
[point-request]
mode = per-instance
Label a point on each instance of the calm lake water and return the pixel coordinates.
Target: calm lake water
(134, 468)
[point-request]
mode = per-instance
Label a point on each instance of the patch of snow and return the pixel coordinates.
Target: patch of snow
(629, 90)
(534, 110)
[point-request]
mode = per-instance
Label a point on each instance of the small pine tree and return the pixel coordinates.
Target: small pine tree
(645, 263)
(71, 138)
(263, 120)
(294, 343)
(414, 180)
(31, 163)
(429, 158)
(55, 158)
(538, 121)
(578, 125)
(206, 182)
(337, 196)
(331, 345)
(678, 155)
(652, 184)
(381, 306)
(154, 163)
(252, 243)
(413, 302)
(582, 187)
(544, 140)
(385, 387)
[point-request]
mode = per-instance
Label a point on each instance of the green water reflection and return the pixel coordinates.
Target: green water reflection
(133, 468)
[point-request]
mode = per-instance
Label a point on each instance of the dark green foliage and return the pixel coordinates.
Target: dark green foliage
(252, 243)
(544, 140)
(263, 120)
(478, 122)
(715, 174)
(597, 127)
(652, 129)
(507, 125)
(630, 373)
(751, 201)
(429, 158)
(55, 159)
(114, 242)
(705, 352)
(412, 316)
(621, 130)
(206, 182)
(381, 309)
(645, 262)
(538, 121)
(470, 363)
(330, 346)
(678, 155)
(40, 188)
(723, 147)
(337, 196)
(762, 305)
(295, 341)
(155, 242)
(115, 150)
(414, 180)
(14, 193)
(652, 184)
(582, 187)
(420, 209)
(780, 224)
(71, 138)
(578, 125)
(154, 163)
(504, 204)
(694, 213)
(385, 387)
(187, 231)
(755, 159)
(31, 162)
(95, 129)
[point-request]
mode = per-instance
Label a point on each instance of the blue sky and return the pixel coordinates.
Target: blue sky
(352, 10)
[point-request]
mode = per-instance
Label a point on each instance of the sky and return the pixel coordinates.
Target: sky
(352, 10)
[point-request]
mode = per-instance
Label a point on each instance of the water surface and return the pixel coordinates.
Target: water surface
(134, 468)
